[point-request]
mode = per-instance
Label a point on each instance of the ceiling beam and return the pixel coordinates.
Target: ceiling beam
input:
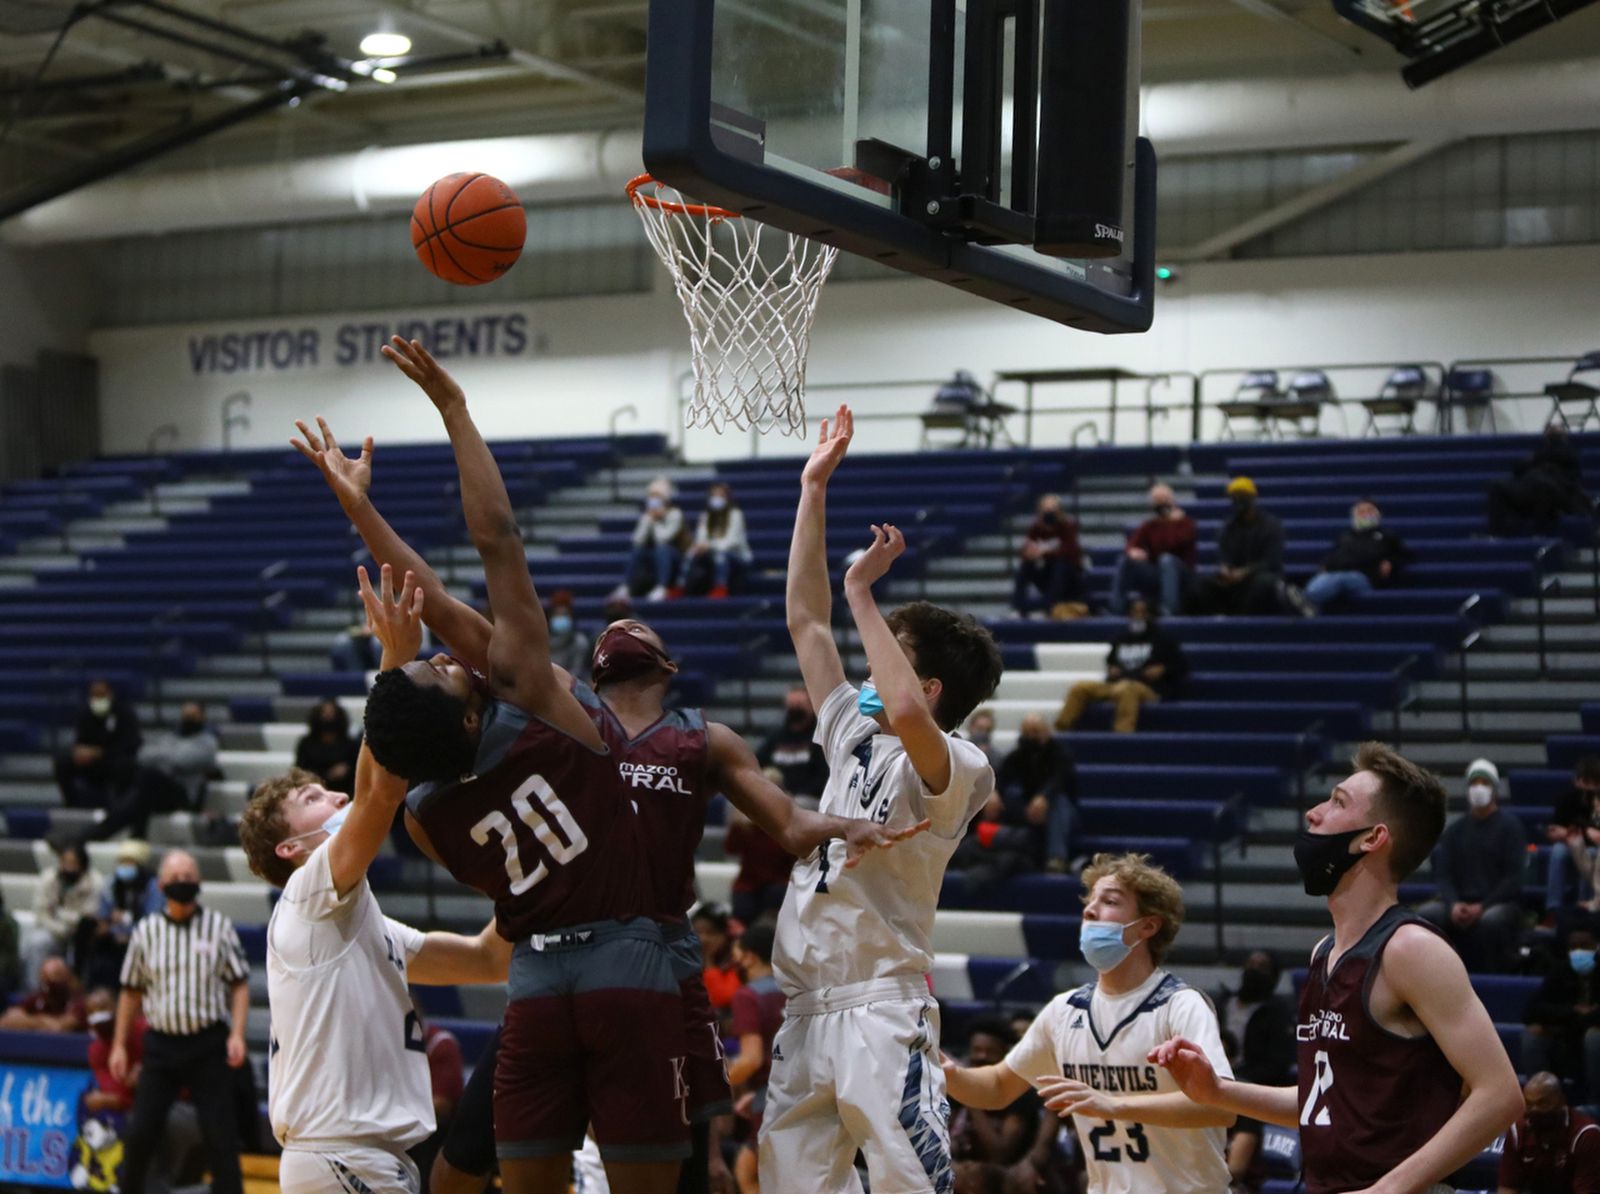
(1331, 45)
(1222, 243)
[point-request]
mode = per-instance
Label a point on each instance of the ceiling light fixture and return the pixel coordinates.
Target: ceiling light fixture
(385, 45)
(384, 75)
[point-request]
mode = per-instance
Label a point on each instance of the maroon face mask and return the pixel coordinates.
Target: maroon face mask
(479, 682)
(620, 656)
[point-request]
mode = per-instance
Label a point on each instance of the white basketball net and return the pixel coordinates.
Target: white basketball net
(749, 316)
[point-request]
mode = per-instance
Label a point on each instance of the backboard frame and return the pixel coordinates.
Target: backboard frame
(681, 149)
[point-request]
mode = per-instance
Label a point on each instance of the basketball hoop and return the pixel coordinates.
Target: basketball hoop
(749, 312)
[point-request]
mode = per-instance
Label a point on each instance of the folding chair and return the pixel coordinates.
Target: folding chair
(1467, 389)
(1398, 397)
(1307, 391)
(1573, 390)
(1253, 399)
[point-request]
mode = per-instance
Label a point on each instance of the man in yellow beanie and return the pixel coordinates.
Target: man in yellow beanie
(1249, 579)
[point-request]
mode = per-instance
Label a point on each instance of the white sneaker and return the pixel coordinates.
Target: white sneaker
(659, 593)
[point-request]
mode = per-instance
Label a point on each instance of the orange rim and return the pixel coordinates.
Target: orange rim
(704, 210)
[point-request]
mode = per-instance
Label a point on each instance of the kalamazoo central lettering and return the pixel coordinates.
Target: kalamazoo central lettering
(356, 343)
(1119, 1079)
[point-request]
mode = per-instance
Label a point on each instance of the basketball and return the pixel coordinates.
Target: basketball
(468, 228)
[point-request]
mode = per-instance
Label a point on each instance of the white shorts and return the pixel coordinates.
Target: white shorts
(348, 1169)
(588, 1172)
(858, 1068)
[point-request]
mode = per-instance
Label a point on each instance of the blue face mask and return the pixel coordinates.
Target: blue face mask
(868, 701)
(330, 827)
(561, 624)
(126, 871)
(1102, 944)
(1582, 960)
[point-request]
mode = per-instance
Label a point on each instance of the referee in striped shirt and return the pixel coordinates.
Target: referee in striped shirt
(184, 968)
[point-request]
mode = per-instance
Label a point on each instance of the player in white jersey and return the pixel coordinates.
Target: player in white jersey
(348, 1088)
(856, 1063)
(1088, 1051)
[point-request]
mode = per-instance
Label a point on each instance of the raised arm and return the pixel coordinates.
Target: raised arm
(519, 647)
(737, 774)
(899, 687)
(447, 959)
(453, 621)
(808, 596)
(1192, 1070)
(397, 624)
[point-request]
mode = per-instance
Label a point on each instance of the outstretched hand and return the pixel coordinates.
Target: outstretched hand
(888, 544)
(417, 363)
(863, 836)
(1190, 1068)
(832, 443)
(348, 477)
(395, 620)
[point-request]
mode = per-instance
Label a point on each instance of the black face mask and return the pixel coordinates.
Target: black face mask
(188, 729)
(69, 878)
(799, 721)
(1242, 503)
(1162, 509)
(181, 892)
(1546, 1122)
(1323, 859)
(1255, 985)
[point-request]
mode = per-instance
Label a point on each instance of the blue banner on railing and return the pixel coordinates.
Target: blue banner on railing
(40, 1124)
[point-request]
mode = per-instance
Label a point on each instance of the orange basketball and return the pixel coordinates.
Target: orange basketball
(468, 228)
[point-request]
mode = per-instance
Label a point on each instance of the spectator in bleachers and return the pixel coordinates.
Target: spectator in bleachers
(1562, 1030)
(55, 1004)
(1366, 557)
(790, 749)
(1145, 664)
(764, 865)
(172, 774)
(1554, 1148)
(108, 1093)
(757, 1016)
(355, 650)
(980, 732)
(1573, 831)
(1541, 488)
(327, 749)
(710, 921)
(131, 896)
(1003, 1137)
(10, 953)
(105, 749)
(67, 898)
(1159, 558)
(719, 557)
(1052, 561)
(657, 544)
(1038, 782)
(569, 646)
(1478, 866)
(994, 849)
(1261, 1021)
(1249, 577)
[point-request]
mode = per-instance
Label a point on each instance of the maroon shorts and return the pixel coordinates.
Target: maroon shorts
(593, 1038)
(709, 1094)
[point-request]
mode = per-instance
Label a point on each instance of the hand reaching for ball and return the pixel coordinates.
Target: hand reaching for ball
(417, 363)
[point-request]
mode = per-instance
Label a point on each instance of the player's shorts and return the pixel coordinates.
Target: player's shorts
(593, 1039)
(858, 1067)
(707, 1069)
(346, 1168)
(469, 1139)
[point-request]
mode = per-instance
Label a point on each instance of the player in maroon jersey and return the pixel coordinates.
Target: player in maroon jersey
(673, 762)
(520, 797)
(1390, 1032)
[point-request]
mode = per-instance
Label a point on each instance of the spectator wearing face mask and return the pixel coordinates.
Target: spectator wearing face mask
(719, 557)
(1144, 665)
(1159, 557)
(1574, 831)
(1367, 556)
(131, 896)
(172, 774)
(722, 977)
(1542, 488)
(1052, 561)
(1478, 867)
(1562, 1031)
(327, 749)
(980, 732)
(792, 751)
(1249, 576)
(108, 1092)
(1005, 1136)
(1261, 1020)
(1553, 1148)
(657, 546)
(104, 754)
(55, 1004)
(68, 895)
(569, 648)
(1038, 782)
